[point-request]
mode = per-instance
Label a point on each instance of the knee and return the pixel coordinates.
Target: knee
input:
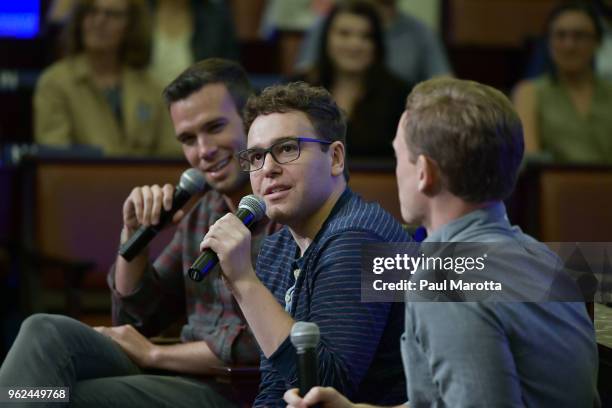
(42, 327)
(39, 322)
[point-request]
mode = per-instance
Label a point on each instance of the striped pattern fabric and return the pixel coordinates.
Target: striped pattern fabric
(359, 351)
(167, 295)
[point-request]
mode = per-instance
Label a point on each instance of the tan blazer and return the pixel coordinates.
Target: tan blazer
(69, 110)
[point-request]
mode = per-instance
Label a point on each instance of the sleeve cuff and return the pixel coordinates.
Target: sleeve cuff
(135, 293)
(131, 307)
(244, 349)
(284, 361)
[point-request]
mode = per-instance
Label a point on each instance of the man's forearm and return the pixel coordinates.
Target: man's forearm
(129, 274)
(189, 358)
(268, 320)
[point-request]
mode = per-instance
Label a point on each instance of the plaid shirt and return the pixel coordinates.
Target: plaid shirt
(166, 293)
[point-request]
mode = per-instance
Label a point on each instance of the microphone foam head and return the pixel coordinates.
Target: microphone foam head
(192, 181)
(305, 335)
(255, 205)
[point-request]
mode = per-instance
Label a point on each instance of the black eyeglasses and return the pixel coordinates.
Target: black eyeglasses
(283, 151)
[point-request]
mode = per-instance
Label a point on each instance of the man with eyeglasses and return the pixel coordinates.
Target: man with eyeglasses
(311, 269)
(459, 145)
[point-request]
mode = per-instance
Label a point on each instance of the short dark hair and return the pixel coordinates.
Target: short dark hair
(211, 71)
(135, 51)
(314, 101)
(471, 131)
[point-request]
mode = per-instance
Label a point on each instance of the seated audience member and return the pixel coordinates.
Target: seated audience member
(99, 94)
(109, 366)
(459, 145)
(310, 270)
(414, 53)
(566, 113)
(351, 65)
(185, 31)
(540, 54)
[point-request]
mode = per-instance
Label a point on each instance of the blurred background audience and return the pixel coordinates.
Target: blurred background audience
(350, 63)
(185, 31)
(414, 52)
(99, 94)
(566, 111)
(540, 60)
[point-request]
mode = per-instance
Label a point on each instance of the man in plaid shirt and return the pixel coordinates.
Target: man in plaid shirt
(205, 104)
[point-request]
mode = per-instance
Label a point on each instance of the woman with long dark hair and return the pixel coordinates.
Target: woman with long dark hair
(351, 66)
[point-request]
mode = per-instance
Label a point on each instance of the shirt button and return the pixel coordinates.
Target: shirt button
(287, 298)
(296, 273)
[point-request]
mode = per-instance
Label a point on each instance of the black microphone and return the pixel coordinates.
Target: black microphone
(305, 337)
(250, 210)
(191, 182)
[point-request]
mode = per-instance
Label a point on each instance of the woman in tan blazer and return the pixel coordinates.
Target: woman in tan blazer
(100, 94)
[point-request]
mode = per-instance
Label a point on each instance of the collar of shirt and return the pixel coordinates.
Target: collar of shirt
(493, 214)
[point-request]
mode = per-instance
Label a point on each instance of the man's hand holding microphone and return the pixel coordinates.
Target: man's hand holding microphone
(146, 211)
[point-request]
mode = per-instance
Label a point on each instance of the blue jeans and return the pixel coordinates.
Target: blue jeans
(58, 351)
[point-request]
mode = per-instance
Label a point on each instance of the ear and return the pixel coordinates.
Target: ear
(337, 157)
(427, 171)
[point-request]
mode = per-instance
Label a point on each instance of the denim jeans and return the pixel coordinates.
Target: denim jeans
(58, 351)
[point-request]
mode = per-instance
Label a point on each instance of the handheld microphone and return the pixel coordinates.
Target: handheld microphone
(250, 210)
(305, 337)
(191, 182)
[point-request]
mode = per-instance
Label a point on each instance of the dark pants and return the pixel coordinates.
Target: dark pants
(58, 351)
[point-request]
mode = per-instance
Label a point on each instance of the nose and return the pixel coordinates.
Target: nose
(98, 16)
(207, 149)
(270, 166)
(568, 40)
(353, 41)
